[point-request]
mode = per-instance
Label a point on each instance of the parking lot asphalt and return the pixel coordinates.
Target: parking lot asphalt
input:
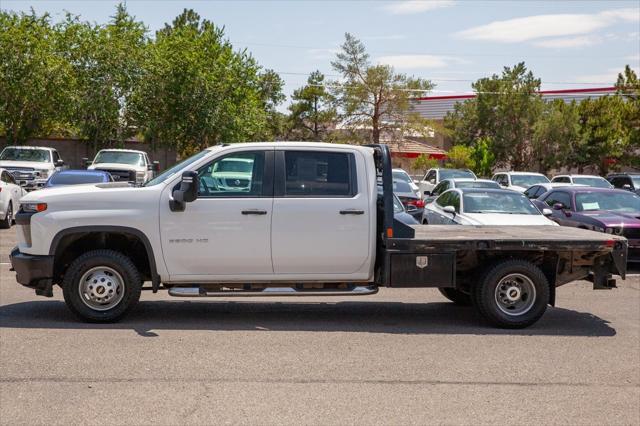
(399, 357)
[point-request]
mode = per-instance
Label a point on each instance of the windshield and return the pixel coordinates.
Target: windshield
(478, 184)
(613, 201)
(402, 176)
(498, 202)
(526, 181)
(120, 157)
(75, 178)
(401, 187)
(452, 174)
(25, 154)
(597, 182)
(175, 169)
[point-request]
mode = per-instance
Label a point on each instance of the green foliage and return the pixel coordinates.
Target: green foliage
(603, 131)
(107, 66)
(505, 109)
(556, 136)
(628, 86)
(424, 163)
(197, 91)
(372, 96)
(34, 78)
(483, 157)
(460, 157)
(312, 112)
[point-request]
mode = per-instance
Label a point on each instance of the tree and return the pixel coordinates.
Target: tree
(505, 109)
(556, 135)
(34, 77)
(197, 91)
(483, 158)
(107, 66)
(460, 157)
(424, 163)
(372, 96)
(628, 86)
(604, 135)
(312, 112)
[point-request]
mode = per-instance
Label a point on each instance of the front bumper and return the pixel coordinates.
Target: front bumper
(33, 271)
(30, 185)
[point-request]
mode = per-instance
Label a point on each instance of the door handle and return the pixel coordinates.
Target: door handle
(256, 212)
(357, 212)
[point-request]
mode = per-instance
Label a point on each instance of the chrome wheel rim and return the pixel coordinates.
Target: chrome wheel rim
(515, 294)
(101, 288)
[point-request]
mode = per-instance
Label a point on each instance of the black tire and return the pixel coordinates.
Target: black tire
(8, 218)
(485, 296)
(456, 296)
(71, 286)
(425, 221)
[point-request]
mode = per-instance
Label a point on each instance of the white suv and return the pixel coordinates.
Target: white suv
(519, 181)
(125, 165)
(435, 176)
(587, 180)
(30, 166)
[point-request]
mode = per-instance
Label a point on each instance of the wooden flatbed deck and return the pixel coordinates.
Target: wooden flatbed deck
(435, 233)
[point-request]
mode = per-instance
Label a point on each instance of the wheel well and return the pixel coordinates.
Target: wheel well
(482, 261)
(70, 246)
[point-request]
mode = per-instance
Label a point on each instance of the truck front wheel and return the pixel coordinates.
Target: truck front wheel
(101, 286)
(512, 294)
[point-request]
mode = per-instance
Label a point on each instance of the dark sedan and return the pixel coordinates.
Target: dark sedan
(612, 211)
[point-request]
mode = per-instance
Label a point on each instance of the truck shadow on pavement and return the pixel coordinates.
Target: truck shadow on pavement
(150, 318)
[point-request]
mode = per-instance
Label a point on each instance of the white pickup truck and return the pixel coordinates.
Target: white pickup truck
(125, 165)
(31, 166)
(305, 219)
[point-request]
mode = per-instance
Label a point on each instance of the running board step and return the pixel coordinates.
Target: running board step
(272, 291)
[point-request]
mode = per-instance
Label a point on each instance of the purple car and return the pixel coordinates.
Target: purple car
(612, 211)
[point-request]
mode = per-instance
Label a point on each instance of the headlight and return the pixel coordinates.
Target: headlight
(43, 173)
(34, 207)
(140, 174)
(616, 230)
(599, 229)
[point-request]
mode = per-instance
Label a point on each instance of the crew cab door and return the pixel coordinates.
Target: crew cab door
(225, 234)
(321, 213)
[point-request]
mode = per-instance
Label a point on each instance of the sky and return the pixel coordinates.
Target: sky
(568, 44)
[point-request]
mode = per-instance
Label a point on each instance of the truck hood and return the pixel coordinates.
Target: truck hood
(30, 164)
(508, 219)
(117, 166)
(75, 192)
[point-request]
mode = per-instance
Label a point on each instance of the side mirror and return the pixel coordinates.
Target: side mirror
(558, 206)
(59, 163)
(449, 209)
(547, 212)
(411, 208)
(187, 192)
(427, 193)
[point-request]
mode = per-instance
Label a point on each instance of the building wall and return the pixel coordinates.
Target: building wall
(73, 151)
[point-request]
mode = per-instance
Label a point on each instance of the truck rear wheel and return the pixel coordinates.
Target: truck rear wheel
(101, 286)
(456, 296)
(512, 294)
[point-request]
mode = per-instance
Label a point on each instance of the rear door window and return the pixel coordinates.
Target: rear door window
(319, 174)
